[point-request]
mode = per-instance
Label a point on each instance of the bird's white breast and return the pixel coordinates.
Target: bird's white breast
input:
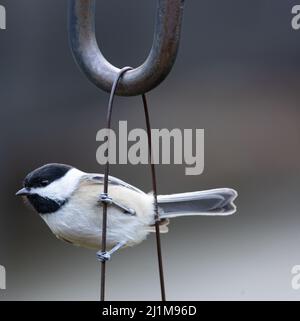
(80, 219)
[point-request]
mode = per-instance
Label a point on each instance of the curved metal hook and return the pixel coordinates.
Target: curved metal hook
(141, 79)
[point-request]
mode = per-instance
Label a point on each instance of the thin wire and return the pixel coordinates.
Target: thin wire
(105, 189)
(154, 187)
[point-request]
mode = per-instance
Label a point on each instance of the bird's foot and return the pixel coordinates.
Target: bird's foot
(103, 256)
(106, 256)
(106, 199)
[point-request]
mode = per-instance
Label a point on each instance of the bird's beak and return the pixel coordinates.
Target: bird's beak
(23, 192)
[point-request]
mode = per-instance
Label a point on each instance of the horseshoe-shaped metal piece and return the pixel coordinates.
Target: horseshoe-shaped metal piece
(136, 81)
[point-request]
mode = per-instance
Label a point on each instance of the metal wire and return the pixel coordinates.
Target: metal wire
(105, 188)
(154, 187)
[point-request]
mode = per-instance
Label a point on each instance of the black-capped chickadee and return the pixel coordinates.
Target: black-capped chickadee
(70, 202)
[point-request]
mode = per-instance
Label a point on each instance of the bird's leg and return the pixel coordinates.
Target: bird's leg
(105, 256)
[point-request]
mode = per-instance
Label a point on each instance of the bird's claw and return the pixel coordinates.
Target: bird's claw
(103, 256)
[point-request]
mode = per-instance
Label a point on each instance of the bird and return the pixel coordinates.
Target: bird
(70, 202)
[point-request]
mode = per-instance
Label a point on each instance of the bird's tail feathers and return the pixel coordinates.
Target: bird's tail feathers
(208, 203)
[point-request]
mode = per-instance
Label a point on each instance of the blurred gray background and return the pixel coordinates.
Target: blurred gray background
(236, 76)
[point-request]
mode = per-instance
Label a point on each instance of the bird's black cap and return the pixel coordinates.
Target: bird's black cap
(46, 175)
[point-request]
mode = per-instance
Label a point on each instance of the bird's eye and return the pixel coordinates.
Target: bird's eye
(44, 183)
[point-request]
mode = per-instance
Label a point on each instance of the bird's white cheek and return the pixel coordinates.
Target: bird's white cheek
(62, 188)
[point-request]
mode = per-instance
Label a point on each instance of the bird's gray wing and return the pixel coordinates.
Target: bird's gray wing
(99, 179)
